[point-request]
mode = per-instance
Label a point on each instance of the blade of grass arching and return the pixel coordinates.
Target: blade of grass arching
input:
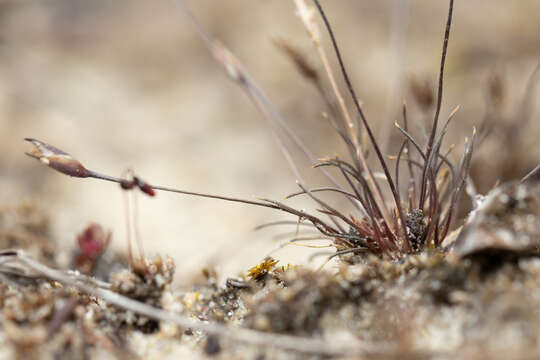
(346, 168)
(441, 77)
(431, 185)
(360, 198)
(299, 240)
(308, 72)
(336, 160)
(332, 210)
(384, 238)
(347, 251)
(288, 234)
(328, 189)
(236, 72)
(406, 239)
(463, 173)
(447, 185)
(443, 159)
(410, 194)
(386, 243)
(398, 160)
(366, 230)
(434, 212)
(323, 227)
(337, 253)
(412, 176)
(432, 156)
(370, 205)
(306, 15)
(444, 162)
(356, 173)
(310, 238)
(311, 245)
(412, 140)
(439, 93)
(332, 218)
(450, 183)
(293, 240)
(448, 189)
(435, 207)
(357, 195)
(331, 215)
(282, 222)
(366, 126)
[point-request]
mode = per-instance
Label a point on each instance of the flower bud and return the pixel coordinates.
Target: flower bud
(56, 159)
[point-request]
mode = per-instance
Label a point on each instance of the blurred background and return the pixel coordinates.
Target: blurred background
(130, 84)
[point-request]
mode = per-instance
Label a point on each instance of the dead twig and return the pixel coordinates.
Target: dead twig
(247, 336)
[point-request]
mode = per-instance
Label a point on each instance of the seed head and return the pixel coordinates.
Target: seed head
(56, 159)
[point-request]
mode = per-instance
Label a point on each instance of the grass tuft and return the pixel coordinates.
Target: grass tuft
(395, 214)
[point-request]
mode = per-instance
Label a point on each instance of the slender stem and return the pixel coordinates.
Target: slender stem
(364, 121)
(100, 176)
(128, 229)
(331, 189)
(328, 207)
(464, 170)
(236, 71)
(406, 239)
(283, 222)
(285, 235)
(531, 173)
(412, 175)
(312, 29)
(433, 156)
(439, 91)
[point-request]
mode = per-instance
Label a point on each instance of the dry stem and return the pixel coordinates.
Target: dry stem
(242, 335)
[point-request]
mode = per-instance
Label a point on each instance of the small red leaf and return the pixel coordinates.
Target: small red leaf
(93, 241)
(144, 186)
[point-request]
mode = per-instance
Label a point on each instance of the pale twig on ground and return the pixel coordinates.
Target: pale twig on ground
(241, 335)
(531, 173)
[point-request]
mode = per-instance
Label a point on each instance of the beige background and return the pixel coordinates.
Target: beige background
(129, 83)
